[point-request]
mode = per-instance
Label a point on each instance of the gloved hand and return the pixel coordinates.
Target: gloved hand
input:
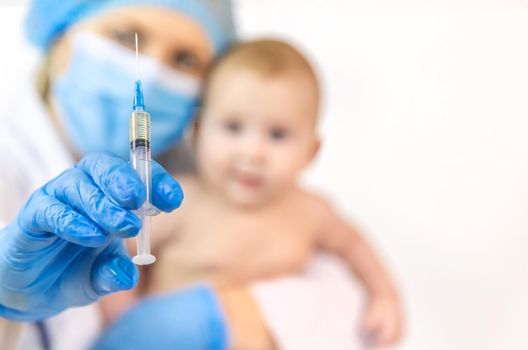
(65, 247)
(190, 319)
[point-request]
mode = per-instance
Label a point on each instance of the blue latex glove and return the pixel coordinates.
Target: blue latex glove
(65, 249)
(190, 319)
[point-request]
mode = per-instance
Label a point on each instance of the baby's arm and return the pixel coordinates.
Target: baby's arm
(382, 323)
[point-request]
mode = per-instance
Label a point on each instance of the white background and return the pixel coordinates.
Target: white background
(425, 127)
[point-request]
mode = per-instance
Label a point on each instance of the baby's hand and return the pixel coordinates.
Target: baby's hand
(383, 321)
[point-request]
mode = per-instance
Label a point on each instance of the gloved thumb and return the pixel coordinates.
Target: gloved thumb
(114, 273)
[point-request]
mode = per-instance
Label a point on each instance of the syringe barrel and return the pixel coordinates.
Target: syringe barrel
(143, 239)
(140, 130)
(140, 148)
(140, 160)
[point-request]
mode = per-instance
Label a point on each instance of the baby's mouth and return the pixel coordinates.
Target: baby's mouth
(249, 180)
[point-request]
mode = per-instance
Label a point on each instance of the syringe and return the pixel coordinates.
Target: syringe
(140, 159)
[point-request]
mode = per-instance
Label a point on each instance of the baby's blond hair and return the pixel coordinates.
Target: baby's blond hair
(269, 58)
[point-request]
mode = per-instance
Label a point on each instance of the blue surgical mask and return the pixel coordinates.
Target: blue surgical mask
(95, 96)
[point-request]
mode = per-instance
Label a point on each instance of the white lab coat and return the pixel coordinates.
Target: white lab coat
(315, 310)
(32, 154)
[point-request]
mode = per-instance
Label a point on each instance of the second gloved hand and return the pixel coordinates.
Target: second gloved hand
(65, 247)
(189, 319)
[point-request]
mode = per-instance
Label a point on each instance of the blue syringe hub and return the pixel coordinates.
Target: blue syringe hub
(139, 103)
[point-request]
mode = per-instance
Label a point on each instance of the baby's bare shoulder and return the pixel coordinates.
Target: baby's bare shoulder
(315, 206)
(313, 201)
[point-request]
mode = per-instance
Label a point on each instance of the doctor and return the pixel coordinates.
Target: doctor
(66, 189)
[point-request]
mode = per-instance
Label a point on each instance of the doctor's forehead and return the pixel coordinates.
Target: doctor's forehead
(162, 32)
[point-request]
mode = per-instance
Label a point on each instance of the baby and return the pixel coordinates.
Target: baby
(245, 217)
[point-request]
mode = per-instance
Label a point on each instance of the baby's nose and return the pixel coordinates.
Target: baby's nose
(254, 149)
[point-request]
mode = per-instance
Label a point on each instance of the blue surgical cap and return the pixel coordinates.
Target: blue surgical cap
(48, 19)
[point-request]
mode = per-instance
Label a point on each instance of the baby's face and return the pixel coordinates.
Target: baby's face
(256, 134)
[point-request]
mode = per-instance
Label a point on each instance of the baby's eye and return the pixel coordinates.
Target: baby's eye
(233, 127)
(278, 134)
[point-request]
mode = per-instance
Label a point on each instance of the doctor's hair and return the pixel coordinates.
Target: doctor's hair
(269, 58)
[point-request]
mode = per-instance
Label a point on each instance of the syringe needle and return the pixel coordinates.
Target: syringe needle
(137, 63)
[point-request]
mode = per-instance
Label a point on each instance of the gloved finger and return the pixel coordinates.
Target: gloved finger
(116, 178)
(47, 215)
(114, 271)
(167, 193)
(13, 314)
(76, 189)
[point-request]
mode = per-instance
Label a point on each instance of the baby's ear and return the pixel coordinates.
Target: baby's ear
(196, 123)
(198, 112)
(315, 148)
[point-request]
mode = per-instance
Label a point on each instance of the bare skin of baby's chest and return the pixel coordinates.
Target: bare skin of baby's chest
(227, 246)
